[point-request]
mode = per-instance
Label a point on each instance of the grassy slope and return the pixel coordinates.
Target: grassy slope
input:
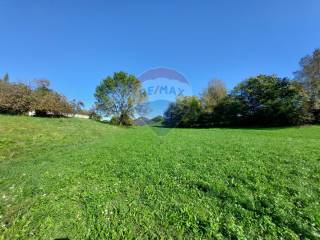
(82, 179)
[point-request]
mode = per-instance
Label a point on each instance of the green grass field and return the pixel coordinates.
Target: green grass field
(80, 179)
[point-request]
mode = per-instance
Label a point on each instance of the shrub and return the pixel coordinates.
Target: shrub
(50, 104)
(94, 115)
(15, 98)
(124, 120)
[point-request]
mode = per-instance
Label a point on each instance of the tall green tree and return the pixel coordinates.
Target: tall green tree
(270, 100)
(309, 77)
(118, 95)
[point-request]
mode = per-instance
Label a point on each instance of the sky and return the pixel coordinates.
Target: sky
(75, 44)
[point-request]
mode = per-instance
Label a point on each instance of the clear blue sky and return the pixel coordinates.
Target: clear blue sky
(77, 43)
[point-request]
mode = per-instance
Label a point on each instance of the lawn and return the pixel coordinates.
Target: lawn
(80, 179)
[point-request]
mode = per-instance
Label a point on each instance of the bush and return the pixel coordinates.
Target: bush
(15, 98)
(50, 104)
(123, 120)
(94, 115)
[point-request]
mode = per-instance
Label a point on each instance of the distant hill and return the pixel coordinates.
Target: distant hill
(141, 121)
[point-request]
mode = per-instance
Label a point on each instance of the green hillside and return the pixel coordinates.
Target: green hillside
(80, 179)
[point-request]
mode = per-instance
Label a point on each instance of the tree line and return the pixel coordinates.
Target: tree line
(263, 100)
(36, 97)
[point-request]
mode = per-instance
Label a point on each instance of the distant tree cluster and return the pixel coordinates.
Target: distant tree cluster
(19, 98)
(263, 100)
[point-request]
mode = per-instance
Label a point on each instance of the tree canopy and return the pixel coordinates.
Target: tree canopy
(118, 95)
(263, 100)
(15, 98)
(19, 98)
(270, 100)
(213, 94)
(309, 77)
(183, 113)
